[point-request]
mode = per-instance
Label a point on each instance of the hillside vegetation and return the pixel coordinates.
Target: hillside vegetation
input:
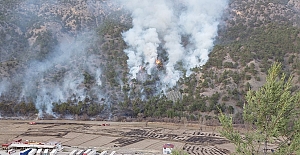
(254, 34)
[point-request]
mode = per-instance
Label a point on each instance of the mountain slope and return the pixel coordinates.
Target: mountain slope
(67, 58)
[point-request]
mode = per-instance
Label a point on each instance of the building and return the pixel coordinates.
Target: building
(5, 146)
(22, 146)
(18, 145)
(167, 148)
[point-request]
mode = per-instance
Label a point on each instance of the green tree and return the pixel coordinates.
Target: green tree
(179, 152)
(270, 113)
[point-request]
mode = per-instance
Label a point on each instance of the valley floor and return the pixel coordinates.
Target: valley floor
(122, 137)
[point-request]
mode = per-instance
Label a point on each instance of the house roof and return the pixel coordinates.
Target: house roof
(168, 145)
(31, 146)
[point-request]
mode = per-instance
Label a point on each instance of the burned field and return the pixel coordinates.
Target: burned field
(123, 137)
(201, 138)
(204, 150)
(200, 143)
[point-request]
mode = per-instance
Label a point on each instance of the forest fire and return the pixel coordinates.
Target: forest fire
(158, 62)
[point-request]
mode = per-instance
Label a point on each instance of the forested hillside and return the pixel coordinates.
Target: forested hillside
(93, 76)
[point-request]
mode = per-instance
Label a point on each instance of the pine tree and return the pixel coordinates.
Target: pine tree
(271, 116)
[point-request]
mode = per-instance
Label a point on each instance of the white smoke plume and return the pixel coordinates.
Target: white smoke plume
(98, 77)
(69, 59)
(160, 26)
(59, 75)
(3, 86)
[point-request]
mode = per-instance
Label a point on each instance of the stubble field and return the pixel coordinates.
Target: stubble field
(123, 137)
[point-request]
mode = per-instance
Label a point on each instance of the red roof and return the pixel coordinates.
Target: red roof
(168, 145)
(5, 145)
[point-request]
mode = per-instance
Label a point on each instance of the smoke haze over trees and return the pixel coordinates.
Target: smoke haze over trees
(98, 58)
(178, 32)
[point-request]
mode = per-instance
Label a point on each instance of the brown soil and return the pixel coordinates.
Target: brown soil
(123, 137)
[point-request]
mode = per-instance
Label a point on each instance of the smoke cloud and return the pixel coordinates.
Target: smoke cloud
(3, 86)
(180, 33)
(56, 76)
(181, 30)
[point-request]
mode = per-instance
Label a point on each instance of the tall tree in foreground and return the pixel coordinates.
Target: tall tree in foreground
(271, 116)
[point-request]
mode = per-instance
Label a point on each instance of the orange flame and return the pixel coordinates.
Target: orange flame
(158, 62)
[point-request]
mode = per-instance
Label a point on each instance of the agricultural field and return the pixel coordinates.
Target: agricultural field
(123, 137)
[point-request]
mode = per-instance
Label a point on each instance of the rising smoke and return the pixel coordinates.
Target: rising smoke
(3, 86)
(64, 67)
(58, 75)
(183, 30)
(178, 32)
